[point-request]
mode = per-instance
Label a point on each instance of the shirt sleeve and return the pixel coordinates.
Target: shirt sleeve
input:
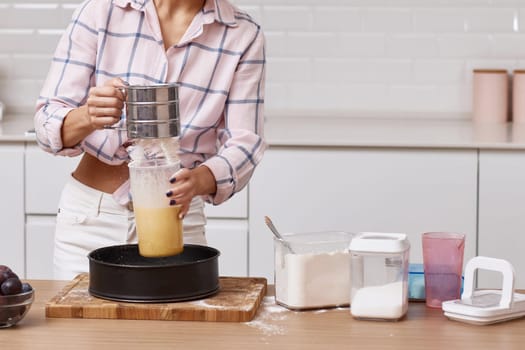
(242, 136)
(68, 81)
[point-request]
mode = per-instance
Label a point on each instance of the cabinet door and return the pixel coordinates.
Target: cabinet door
(502, 213)
(40, 232)
(234, 208)
(230, 237)
(355, 190)
(46, 175)
(12, 207)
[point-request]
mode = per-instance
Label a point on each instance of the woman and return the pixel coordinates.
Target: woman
(215, 53)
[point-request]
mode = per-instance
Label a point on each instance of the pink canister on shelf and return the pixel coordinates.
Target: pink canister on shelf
(518, 96)
(490, 95)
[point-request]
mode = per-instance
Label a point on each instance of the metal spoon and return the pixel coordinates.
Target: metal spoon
(276, 233)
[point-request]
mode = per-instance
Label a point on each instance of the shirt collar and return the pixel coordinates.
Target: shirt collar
(220, 11)
(136, 4)
(214, 10)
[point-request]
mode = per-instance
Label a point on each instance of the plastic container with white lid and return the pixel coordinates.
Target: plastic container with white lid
(379, 275)
(312, 270)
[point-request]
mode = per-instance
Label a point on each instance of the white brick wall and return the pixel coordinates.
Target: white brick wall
(381, 56)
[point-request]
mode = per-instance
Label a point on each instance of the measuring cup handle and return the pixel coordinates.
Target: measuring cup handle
(492, 264)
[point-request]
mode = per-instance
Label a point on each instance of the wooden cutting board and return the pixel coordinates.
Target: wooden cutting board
(237, 301)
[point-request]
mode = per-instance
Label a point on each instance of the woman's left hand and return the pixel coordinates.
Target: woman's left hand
(188, 184)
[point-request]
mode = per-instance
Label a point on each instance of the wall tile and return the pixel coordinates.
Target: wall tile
(289, 70)
(21, 94)
(16, 41)
(44, 16)
(276, 44)
(412, 45)
(507, 46)
(5, 66)
(440, 20)
(387, 20)
(30, 66)
(361, 45)
(413, 98)
(276, 96)
(352, 71)
(334, 55)
(453, 99)
(464, 45)
(337, 19)
(491, 20)
(287, 18)
(439, 71)
(308, 44)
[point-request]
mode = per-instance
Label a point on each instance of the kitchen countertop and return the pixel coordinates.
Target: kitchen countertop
(273, 327)
(294, 130)
(13, 128)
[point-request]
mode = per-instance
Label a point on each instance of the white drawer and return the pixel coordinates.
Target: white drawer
(45, 176)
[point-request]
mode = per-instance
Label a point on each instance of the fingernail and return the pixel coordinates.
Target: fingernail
(169, 193)
(172, 180)
(181, 216)
(172, 202)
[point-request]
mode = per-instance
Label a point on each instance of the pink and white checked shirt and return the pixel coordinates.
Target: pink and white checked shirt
(219, 65)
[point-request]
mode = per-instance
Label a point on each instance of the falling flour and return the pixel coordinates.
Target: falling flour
(313, 280)
(380, 302)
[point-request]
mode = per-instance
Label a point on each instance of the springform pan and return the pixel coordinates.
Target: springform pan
(120, 273)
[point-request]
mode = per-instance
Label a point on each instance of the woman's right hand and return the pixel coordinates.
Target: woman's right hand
(105, 103)
(103, 108)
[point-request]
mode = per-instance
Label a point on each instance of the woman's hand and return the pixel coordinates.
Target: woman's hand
(103, 107)
(105, 103)
(188, 184)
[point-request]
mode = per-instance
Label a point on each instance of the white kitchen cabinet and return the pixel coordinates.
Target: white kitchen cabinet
(234, 208)
(40, 231)
(12, 207)
(46, 175)
(502, 212)
(227, 230)
(230, 237)
(361, 189)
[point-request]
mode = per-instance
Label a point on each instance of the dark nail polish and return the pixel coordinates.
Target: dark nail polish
(169, 193)
(172, 180)
(172, 202)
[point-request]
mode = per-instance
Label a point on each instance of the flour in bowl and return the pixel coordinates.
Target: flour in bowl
(312, 280)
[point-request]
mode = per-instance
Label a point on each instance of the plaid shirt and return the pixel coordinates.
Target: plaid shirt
(219, 64)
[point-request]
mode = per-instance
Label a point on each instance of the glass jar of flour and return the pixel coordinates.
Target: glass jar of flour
(312, 270)
(379, 276)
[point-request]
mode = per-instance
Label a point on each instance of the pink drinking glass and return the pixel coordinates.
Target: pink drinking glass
(443, 263)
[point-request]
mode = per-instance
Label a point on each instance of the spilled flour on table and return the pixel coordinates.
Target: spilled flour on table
(268, 313)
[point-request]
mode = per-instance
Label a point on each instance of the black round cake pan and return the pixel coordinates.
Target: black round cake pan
(120, 273)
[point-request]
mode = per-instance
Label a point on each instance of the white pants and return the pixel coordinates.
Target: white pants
(88, 219)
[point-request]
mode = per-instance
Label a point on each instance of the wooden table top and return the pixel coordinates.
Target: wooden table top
(274, 327)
